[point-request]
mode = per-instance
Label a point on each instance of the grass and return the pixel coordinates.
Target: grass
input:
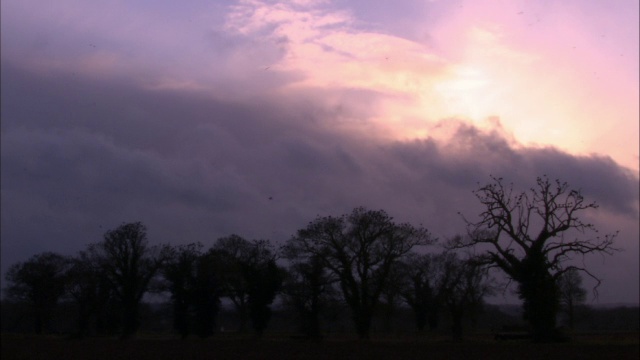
(231, 346)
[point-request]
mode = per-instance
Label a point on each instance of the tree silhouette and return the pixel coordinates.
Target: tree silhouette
(40, 282)
(179, 273)
(90, 289)
(390, 297)
(129, 264)
(249, 277)
(265, 280)
(230, 253)
(571, 293)
(418, 289)
(307, 288)
(206, 294)
(527, 235)
(359, 249)
(462, 285)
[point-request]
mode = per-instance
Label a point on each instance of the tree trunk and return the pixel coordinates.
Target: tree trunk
(39, 322)
(420, 315)
(388, 316)
(540, 309)
(130, 319)
(456, 328)
(312, 324)
(570, 311)
(540, 296)
(180, 317)
(434, 319)
(362, 319)
(83, 319)
(243, 314)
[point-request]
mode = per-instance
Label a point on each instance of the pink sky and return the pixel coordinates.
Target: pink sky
(561, 74)
(554, 73)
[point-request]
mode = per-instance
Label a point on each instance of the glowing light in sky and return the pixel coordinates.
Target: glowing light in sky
(487, 66)
(562, 74)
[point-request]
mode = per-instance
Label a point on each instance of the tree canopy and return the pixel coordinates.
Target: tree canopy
(360, 249)
(532, 236)
(40, 282)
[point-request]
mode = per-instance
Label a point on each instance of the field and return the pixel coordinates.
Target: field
(221, 346)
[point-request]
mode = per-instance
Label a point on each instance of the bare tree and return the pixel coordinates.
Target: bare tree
(39, 282)
(230, 252)
(462, 286)
(391, 296)
(571, 294)
(308, 287)
(418, 288)
(205, 293)
(249, 277)
(179, 273)
(91, 291)
(191, 278)
(130, 264)
(529, 235)
(265, 280)
(359, 249)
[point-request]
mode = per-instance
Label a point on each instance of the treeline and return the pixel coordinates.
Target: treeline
(363, 260)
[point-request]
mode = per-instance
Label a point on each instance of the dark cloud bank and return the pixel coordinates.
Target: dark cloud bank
(80, 157)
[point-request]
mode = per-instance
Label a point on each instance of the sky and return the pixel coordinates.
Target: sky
(207, 118)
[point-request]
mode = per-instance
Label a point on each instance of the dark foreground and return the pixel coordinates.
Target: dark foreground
(620, 346)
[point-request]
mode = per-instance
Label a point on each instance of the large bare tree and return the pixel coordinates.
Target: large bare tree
(359, 249)
(533, 236)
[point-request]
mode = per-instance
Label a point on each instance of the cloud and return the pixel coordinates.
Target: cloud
(256, 118)
(94, 154)
(419, 62)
